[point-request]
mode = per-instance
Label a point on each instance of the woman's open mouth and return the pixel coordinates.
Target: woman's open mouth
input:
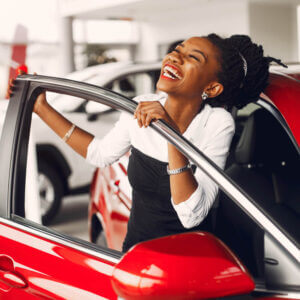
(170, 72)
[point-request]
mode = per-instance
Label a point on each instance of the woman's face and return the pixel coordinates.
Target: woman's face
(190, 68)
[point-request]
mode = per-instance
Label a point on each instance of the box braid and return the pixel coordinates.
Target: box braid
(239, 90)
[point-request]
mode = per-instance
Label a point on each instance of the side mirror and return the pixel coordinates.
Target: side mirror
(192, 265)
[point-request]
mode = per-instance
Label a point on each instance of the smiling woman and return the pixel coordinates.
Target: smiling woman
(202, 79)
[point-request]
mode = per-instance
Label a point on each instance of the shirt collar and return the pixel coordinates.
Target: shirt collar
(198, 122)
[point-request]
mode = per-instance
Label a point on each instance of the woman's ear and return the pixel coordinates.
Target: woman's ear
(214, 89)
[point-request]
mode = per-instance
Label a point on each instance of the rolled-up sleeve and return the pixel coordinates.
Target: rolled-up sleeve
(105, 151)
(192, 211)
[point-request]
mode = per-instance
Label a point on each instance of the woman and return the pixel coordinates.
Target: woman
(201, 79)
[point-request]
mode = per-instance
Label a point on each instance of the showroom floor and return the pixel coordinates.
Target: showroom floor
(72, 218)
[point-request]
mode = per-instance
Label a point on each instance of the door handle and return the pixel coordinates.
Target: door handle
(12, 279)
(8, 275)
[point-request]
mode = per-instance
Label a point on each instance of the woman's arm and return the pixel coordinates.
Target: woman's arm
(184, 184)
(79, 140)
(192, 194)
(216, 146)
(98, 152)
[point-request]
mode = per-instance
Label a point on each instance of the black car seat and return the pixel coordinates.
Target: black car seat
(266, 166)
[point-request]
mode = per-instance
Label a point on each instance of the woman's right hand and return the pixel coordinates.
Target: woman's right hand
(9, 89)
(40, 103)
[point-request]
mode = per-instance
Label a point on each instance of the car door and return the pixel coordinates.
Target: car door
(35, 261)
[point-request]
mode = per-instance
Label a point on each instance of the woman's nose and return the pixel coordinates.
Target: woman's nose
(175, 57)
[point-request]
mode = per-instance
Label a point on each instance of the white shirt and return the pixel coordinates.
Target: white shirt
(211, 131)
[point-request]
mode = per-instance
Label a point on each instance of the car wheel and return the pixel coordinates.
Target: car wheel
(101, 239)
(50, 190)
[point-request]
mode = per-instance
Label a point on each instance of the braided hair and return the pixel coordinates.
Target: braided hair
(238, 57)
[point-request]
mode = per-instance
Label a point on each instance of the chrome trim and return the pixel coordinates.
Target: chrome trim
(108, 97)
(59, 241)
(195, 155)
(278, 293)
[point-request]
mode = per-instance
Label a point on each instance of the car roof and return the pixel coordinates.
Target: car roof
(102, 73)
(284, 92)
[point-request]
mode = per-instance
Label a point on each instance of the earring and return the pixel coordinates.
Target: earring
(204, 96)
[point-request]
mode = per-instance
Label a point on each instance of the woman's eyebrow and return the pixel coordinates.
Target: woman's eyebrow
(196, 50)
(202, 53)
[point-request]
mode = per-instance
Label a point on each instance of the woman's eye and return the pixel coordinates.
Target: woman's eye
(194, 57)
(176, 50)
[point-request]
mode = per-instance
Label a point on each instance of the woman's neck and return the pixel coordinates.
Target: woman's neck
(182, 110)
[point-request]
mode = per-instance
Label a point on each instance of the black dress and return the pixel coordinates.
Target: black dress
(152, 214)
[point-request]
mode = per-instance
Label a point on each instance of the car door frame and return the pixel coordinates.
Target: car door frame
(14, 143)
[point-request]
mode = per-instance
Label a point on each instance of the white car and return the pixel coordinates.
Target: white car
(70, 173)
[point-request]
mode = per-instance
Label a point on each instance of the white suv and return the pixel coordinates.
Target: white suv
(68, 173)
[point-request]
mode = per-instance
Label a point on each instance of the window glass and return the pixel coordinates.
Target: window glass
(264, 156)
(64, 103)
(263, 162)
(58, 179)
(133, 85)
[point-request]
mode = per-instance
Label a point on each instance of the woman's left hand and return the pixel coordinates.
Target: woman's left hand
(148, 111)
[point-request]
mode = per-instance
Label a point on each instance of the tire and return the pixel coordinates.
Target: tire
(101, 239)
(51, 191)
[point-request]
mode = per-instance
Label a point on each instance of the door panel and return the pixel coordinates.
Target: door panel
(51, 270)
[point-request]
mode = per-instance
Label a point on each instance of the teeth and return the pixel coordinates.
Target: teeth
(169, 75)
(168, 70)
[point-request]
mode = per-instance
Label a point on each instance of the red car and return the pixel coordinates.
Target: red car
(38, 262)
(263, 162)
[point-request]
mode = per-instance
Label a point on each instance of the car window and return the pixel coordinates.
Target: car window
(136, 84)
(263, 149)
(63, 177)
(64, 103)
(264, 162)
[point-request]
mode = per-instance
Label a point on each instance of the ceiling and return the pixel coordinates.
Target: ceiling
(142, 9)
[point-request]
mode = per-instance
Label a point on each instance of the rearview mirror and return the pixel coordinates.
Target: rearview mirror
(183, 266)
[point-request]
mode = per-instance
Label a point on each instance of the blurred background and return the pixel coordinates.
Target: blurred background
(66, 35)
(59, 37)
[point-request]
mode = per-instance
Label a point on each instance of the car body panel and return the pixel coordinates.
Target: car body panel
(284, 93)
(53, 270)
(112, 185)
